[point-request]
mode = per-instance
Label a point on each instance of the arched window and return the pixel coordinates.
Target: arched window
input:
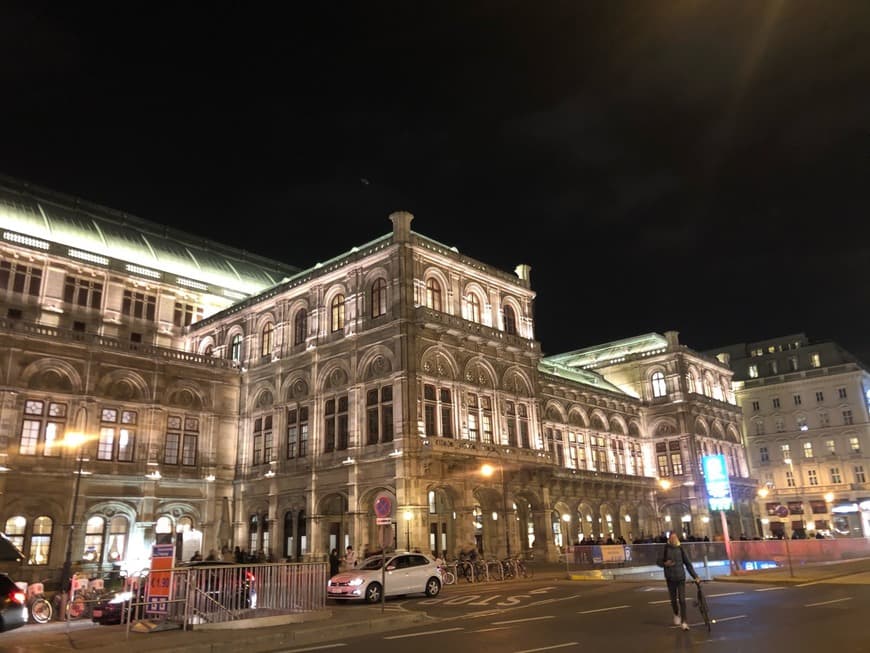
(95, 533)
(659, 387)
(267, 341)
(433, 294)
(253, 534)
(510, 321)
(300, 326)
(379, 298)
(336, 322)
(40, 541)
(472, 303)
(236, 348)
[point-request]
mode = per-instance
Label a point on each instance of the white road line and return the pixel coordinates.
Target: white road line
(312, 648)
(486, 630)
(615, 607)
(739, 616)
(519, 621)
(428, 632)
(724, 594)
(657, 602)
(812, 605)
(547, 648)
(770, 589)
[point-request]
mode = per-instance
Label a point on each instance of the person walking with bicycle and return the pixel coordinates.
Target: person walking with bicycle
(674, 559)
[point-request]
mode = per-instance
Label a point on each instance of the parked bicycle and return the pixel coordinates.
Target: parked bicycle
(38, 605)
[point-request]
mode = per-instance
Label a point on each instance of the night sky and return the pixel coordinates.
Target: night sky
(693, 165)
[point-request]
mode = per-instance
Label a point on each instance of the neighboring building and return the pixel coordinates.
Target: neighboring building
(233, 400)
(807, 434)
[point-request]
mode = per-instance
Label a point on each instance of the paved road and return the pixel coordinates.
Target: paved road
(810, 608)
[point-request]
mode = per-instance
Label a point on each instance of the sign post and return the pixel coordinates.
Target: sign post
(383, 515)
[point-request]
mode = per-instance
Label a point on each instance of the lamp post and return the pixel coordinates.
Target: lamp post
(408, 517)
(488, 470)
(77, 441)
(665, 485)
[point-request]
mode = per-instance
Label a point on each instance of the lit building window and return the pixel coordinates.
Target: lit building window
(659, 386)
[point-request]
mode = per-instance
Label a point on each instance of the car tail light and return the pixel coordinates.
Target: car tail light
(249, 576)
(17, 596)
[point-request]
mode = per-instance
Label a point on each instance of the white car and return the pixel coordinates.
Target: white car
(406, 573)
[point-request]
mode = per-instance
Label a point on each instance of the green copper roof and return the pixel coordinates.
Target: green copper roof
(609, 352)
(585, 377)
(92, 232)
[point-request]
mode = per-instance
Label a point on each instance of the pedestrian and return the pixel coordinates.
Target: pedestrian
(196, 557)
(674, 559)
(334, 563)
(349, 558)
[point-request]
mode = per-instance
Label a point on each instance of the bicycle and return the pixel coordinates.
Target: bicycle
(701, 602)
(39, 607)
(447, 576)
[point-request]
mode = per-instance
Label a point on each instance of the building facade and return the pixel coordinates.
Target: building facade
(807, 434)
(392, 396)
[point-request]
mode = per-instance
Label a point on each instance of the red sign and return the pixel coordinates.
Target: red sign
(383, 507)
(159, 585)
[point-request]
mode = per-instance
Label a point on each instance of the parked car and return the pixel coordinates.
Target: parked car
(222, 585)
(113, 608)
(404, 573)
(13, 605)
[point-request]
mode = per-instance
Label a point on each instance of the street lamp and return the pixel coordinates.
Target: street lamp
(408, 517)
(488, 470)
(72, 441)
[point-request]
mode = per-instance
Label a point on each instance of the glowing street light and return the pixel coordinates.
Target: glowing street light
(488, 470)
(408, 517)
(75, 441)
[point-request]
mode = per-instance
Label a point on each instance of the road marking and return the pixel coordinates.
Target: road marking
(428, 632)
(724, 594)
(519, 621)
(312, 648)
(657, 602)
(486, 630)
(719, 620)
(615, 607)
(770, 589)
(812, 605)
(548, 648)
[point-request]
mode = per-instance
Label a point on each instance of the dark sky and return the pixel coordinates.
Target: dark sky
(695, 165)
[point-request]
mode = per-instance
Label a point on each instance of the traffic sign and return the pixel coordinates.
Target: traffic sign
(383, 521)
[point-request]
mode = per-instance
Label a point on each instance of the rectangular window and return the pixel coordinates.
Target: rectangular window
(797, 400)
(779, 423)
(186, 314)
(335, 414)
(755, 406)
(106, 445)
(789, 479)
(820, 396)
(854, 445)
(830, 447)
(771, 367)
(257, 457)
(808, 449)
(138, 305)
(759, 427)
(297, 432)
(43, 427)
(815, 360)
(18, 278)
(182, 435)
(786, 452)
(792, 363)
(859, 474)
(836, 479)
(801, 422)
(847, 417)
(379, 415)
(775, 402)
(83, 292)
(841, 393)
(753, 371)
(812, 477)
(437, 411)
(764, 454)
(824, 419)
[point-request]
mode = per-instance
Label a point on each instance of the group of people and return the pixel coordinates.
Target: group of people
(337, 563)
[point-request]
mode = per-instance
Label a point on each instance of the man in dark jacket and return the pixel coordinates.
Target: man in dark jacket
(675, 561)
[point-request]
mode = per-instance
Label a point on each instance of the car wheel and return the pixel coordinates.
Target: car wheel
(373, 593)
(433, 586)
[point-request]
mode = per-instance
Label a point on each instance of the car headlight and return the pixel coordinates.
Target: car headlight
(356, 582)
(122, 597)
